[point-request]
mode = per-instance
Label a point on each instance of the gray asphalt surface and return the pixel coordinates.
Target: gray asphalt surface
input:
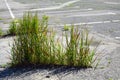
(101, 17)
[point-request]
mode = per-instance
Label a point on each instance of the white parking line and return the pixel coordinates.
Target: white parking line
(87, 23)
(95, 14)
(56, 7)
(106, 21)
(117, 37)
(10, 11)
(67, 11)
(115, 20)
(68, 3)
(114, 3)
(94, 22)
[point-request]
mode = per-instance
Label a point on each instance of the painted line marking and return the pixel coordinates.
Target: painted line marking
(55, 12)
(56, 7)
(97, 14)
(95, 22)
(10, 11)
(87, 23)
(90, 8)
(117, 37)
(68, 3)
(115, 20)
(114, 3)
(106, 21)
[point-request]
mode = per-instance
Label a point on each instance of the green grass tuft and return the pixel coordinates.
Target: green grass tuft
(66, 28)
(13, 28)
(78, 49)
(35, 45)
(1, 19)
(1, 32)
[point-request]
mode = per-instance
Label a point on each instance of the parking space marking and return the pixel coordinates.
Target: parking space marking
(115, 20)
(68, 11)
(10, 11)
(117, 37)
(95, 14)
(56, 7)
(112, 3)
(106, 21)
(68, 3)
(87, 23)
(94, 22)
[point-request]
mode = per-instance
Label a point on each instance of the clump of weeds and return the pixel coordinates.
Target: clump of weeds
(36, 45)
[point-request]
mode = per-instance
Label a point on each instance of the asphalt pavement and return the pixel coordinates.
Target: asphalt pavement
(102, 17)
(96, 13)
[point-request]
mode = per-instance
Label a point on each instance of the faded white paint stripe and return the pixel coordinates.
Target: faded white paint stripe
(88, 23)
(95, 14)
(10, 11)
(95, 22)
(106, 21)
(114, 3)
(115, 20)
(117, 37)
(55, 12)
(68, 3)
(56, 7)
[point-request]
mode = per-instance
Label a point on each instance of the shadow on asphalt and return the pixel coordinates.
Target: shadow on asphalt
(14, 72)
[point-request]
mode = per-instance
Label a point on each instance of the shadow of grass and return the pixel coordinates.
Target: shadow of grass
(27, 71)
